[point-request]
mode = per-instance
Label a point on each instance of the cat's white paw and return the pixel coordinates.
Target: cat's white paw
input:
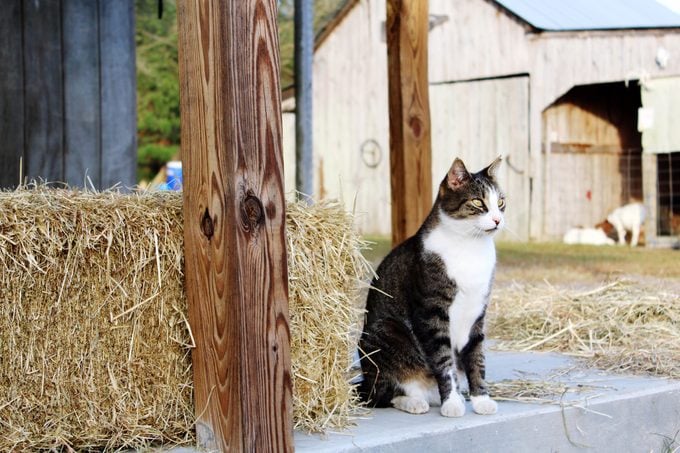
(410, 404)
(454, 406)
(483, 405)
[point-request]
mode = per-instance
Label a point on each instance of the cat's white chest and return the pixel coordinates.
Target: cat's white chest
(470, 264)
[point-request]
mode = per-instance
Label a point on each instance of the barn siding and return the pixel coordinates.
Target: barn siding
(82, 118)
(11, 93)
(288, 139)
(492, 121)
(350, 99)
(582, 188)
(564, 60)
(118, 96)
(476, 42)
(593, 155)
(43, 90)
(67, 91)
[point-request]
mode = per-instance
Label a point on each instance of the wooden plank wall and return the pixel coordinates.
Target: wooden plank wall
(82, 113)
(118, 92)
(593, 155)
(11, 93)
(581, 190)
(350, 95)
(68, 92)
(477, 121)
(43, 90)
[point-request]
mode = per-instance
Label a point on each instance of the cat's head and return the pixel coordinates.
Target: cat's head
(472, 204)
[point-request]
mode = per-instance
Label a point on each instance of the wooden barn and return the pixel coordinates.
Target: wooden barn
(68, 92)
(578, 96)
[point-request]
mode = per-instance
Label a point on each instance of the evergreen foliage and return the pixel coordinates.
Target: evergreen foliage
(158, 125)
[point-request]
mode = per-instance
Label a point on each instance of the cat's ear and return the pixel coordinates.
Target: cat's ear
(492, 169)
(458, 175)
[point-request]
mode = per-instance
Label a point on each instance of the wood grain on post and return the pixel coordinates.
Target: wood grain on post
(235, 257)
(410, 143)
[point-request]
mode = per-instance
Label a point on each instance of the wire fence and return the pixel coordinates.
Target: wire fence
(586, 183)
(668, 194)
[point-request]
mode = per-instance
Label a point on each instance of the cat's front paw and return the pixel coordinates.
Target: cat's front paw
(483, 405)
(410, 404)
(454, 406)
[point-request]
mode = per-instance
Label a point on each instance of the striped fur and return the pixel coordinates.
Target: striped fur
(424, 324)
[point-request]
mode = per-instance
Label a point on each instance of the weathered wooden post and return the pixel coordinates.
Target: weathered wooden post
(235, 257)
(410, 144)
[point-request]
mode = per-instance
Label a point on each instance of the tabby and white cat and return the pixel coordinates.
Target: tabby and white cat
(425, 313)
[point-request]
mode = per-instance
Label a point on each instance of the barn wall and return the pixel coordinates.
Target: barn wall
(350, 110)
(11, 94)
(582, 188)
(563, 60)
(478, 41)
(288, 137)
(569, 59)
(602, 115)
(350, 106)
(68, 92)
(478, 121)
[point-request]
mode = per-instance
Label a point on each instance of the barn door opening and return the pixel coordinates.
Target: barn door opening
(593, 155)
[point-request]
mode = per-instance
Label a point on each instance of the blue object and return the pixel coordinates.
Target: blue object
(173, 177)
(566, 15)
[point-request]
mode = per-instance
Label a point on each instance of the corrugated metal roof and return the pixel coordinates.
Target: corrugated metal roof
(564, 15)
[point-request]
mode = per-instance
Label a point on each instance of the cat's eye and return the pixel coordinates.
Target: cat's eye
(501, 202)
(477, 203)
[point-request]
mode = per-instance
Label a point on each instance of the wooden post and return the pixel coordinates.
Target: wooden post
(304, 52)
(410, 144)
(234, 219)
(650, 196)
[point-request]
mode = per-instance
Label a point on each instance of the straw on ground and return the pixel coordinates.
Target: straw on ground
(619, 326)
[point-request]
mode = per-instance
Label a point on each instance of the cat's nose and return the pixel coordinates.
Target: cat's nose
(496, 220)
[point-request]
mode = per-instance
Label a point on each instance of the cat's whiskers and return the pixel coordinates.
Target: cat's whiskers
(510, 230)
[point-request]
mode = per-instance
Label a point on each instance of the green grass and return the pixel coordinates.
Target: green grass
(561, 263)
(379, 247)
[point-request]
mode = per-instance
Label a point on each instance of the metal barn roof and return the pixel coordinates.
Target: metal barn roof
(564, 15)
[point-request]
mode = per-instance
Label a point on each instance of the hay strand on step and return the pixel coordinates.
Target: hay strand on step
(548, 391)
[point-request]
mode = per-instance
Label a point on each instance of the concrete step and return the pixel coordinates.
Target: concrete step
(613, 413)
